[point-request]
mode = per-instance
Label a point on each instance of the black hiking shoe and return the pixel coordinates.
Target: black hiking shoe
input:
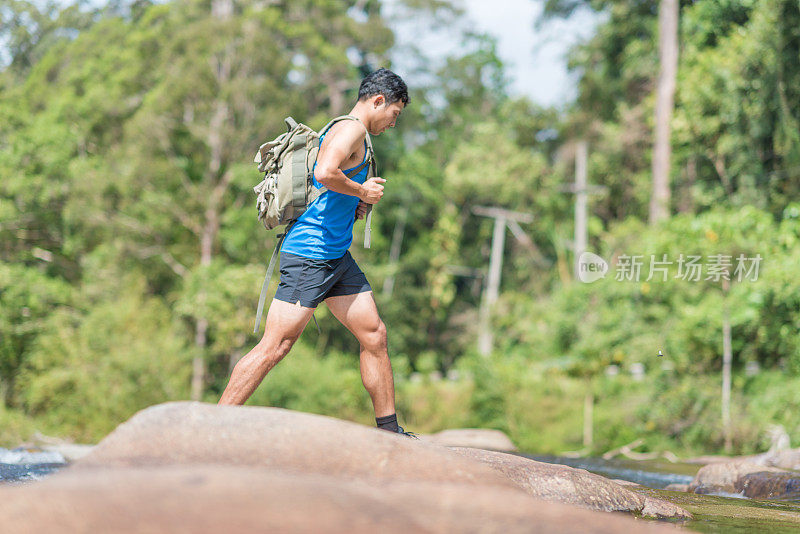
(402, 432)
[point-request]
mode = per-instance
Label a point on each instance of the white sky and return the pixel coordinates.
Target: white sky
(536, 60)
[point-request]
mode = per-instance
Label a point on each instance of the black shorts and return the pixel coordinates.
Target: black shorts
(309, 281)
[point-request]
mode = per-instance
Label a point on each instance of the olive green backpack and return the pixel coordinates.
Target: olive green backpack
(287, 188)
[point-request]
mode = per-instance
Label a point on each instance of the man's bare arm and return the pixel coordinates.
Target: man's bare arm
(346, 140)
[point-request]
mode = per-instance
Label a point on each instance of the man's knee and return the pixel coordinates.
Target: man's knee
(273, 348)
(375, 340)
(284, 345)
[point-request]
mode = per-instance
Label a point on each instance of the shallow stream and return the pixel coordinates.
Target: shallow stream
(712, 513)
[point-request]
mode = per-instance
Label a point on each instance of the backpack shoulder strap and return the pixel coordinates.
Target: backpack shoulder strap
(368, 160)
(368, 139)
(262, 298)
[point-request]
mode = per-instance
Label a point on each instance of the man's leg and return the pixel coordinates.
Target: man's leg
(285, 323)
(360, 315)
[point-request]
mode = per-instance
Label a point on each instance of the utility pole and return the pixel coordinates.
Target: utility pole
(581, 217)
(582, 191)
(502, 217)
(727, 358)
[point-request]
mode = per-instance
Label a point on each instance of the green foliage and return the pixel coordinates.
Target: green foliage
(542, 409)
(328, 385)
(27, 298)
(88, 372)
(737, 118)
(622, 322)
(15, 427)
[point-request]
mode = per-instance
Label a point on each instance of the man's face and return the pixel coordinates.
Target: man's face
(384, 116)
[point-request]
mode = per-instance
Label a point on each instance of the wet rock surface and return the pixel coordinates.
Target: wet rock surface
(573, 486)
(769, 485)
(748, 479)
(722, 477)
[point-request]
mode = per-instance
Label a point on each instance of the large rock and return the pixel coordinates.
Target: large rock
(722, 477)
(568, 485)
(182, 433)
(785, 459)
(243, 499)
(285, 471)
(70, 451)
(476, 438)
(769, 485)
(711, 459)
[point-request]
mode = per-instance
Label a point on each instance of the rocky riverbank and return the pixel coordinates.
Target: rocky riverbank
(752, 480)
(192, 467)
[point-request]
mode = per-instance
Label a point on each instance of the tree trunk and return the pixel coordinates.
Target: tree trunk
(222, 9)
(581, 201)
(722, 172)
(686, 202)
(198, 362)
(665, 99)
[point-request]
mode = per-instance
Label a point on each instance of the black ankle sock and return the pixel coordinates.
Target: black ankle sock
(387, 422)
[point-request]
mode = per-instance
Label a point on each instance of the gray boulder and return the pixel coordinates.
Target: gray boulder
(70, 451)
(769, 485)
(568, 485)
(785, 459)
(476, 438)
(723, 477)
(781, 458)
(185, 433)
(210, 499)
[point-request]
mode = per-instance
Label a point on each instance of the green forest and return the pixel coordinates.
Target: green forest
(131, 257)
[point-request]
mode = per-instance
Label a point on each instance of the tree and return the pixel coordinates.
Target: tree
(29, 29)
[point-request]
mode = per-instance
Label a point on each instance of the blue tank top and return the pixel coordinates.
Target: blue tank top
(325, 230)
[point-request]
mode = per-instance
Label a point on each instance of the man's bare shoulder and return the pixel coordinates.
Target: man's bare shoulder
(347, 133)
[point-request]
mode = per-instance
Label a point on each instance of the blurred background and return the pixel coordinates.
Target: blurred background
(131, 257)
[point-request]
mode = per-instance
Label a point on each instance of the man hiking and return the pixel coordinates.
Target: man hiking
(315, 264)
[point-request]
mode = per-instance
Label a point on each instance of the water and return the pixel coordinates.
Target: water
(22, 465)
(16, 473)
(656, 474)
(712, 513)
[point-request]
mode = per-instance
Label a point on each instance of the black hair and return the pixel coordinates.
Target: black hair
(384, 82)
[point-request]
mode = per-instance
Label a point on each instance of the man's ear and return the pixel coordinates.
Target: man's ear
(379, 101)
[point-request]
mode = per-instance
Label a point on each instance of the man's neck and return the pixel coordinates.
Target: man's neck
(360, 112)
